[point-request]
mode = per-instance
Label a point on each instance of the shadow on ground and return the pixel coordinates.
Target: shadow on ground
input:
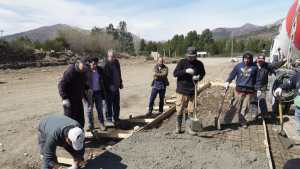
(107, 160)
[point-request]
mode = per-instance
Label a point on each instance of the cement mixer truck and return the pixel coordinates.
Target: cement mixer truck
(287, 45)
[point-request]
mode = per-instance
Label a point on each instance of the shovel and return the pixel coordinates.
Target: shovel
(217, 119)
(196, 123)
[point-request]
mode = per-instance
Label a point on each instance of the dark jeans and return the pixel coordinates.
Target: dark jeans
(75, 111)
(97, 98)
(154, 93)
(113, 105)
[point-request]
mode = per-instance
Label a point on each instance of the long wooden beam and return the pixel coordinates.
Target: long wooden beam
(268, 150)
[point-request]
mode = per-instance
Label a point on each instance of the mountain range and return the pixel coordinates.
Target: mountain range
(248, 30)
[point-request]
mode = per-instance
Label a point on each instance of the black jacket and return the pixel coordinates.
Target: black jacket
(108, 71)
(262, 76)
(185, 83)
(72, 84)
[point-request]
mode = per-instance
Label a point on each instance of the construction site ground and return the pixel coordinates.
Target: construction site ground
(29, 94)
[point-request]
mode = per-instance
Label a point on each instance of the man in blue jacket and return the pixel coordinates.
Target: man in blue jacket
(244, 74)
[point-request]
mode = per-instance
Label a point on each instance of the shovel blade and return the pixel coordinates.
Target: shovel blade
(196, 125)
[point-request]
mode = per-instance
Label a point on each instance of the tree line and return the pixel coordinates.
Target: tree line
(176, 47)
(99, 40)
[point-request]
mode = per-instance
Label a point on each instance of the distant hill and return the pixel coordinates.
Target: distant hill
(248, 31)
(44, 33)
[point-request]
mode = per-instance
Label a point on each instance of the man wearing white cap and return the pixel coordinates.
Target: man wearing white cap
(60, 131)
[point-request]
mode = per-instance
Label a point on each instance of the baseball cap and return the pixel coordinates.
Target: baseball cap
(76, 136)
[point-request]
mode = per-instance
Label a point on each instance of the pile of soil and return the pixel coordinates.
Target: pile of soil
(160, 148)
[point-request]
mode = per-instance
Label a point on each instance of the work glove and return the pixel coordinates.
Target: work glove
(258, 93)
(226, 85)
(278, 92)
(190, 71)
(196, 78)
(66, 103)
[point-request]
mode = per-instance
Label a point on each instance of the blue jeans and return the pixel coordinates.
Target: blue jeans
(113, 105)
(154, 93)
(297, 119)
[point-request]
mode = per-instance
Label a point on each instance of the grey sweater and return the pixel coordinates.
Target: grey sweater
(52, 133)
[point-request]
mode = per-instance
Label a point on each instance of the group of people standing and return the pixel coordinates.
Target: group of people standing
(251, 79)
(86, 85)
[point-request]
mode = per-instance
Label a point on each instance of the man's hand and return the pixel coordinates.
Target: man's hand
(196, 78)
(190, 71)
(226, 85)
(258, 93)
(121, 86)
(66, 103)
(278, 92)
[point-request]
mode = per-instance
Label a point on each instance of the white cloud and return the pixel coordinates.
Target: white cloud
(155, 20)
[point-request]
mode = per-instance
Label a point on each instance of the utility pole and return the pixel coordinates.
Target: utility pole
(232, 45)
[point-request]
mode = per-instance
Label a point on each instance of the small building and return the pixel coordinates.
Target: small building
(202, 54)
(155, 55)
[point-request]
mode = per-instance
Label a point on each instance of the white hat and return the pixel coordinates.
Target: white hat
(76, 136)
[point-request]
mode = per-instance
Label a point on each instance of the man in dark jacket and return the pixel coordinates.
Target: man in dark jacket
(159, 85)
(245, 77)
(264, 69)
(60, 131)
(188, 71)
(71, 89)
(95, 94)
(288, 85)
(114, 80)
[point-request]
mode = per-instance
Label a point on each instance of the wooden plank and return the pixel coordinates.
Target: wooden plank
(221, 84)
(141, 120)
(165, 107)
(203, 87)
(267, 146)
(113, 135)
(159, 118)
(65, 161)
(171, 101)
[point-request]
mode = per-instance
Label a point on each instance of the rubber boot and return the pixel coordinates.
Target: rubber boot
(178, 124)
(188, 127)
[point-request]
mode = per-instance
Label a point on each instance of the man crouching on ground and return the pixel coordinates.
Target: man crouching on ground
(244, 74)
(187, 71)
(61, 131)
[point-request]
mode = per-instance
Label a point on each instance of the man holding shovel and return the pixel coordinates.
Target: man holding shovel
(244, 74)
(293, 83)
(187, 71)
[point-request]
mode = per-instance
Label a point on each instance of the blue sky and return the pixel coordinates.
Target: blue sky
(150, 19)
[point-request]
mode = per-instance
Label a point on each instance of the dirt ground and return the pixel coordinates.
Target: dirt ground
(29, 94)
(160, 148)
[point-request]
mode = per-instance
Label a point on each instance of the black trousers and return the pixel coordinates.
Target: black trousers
(75, 111)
